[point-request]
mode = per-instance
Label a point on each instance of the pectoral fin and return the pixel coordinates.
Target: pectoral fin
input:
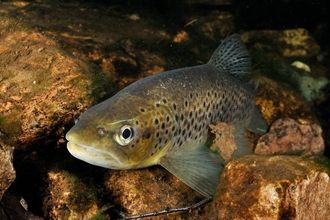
(196, 166)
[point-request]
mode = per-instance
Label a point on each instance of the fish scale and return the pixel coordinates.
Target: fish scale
(164, 119)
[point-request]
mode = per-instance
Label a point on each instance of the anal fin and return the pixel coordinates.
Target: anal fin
(242, 143)
(258, 124)
(197, 166)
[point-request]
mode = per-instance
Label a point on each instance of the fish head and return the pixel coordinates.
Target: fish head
(123, 132)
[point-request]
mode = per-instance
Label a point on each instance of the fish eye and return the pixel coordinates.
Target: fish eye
(126, 134)
(101, 131)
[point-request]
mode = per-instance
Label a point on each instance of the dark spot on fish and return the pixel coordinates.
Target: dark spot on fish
(208, 93)
(142, 110)
(165, 142)
(191, 95)
(176, 117)
(132, 146)
(167, 118)
(163, 125)
(183, 132)
(160, 140)
(190, 114)
(174, 106)
(164, 101)
(137, 122)
(218, 84)
(156, 145)
(196, 94)
(186, 103)
(182, 117)
(147, 134)
(189, 135)
(157, 105)
(152, 154)
(173, 128)
(156, 121)
(157, 134)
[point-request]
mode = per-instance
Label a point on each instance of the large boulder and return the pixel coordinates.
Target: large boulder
(276, 187)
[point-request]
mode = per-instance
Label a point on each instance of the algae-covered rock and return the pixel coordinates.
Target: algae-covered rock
(149, 190)
(277, 187)
(40, 84)
(69, 197)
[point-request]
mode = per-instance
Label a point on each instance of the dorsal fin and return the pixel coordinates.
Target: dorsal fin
(232, 57)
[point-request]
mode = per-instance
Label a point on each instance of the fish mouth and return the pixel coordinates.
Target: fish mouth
(93, 156)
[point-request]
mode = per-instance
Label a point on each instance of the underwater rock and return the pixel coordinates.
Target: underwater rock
(7, 171)
(40, 84)
(69, 197)
(288, 136)
(149, 190)
(277, 100)
(288, 43)
(278, 187)
(15, 207)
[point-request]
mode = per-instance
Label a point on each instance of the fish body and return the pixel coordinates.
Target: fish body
(164, 119)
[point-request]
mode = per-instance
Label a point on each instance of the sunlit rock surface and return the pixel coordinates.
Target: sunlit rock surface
(278, 187)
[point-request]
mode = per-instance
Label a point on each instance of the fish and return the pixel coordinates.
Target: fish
(164, 119)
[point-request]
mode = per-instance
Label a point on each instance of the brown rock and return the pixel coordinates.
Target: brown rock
(279, 187)
(40, 84)
(69, 197)
(149, 190)
(286, 135)
(7, 171)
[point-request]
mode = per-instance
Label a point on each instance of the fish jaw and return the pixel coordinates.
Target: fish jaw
(93, 156)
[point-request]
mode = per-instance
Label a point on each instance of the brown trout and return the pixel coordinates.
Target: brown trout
(164, 119)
